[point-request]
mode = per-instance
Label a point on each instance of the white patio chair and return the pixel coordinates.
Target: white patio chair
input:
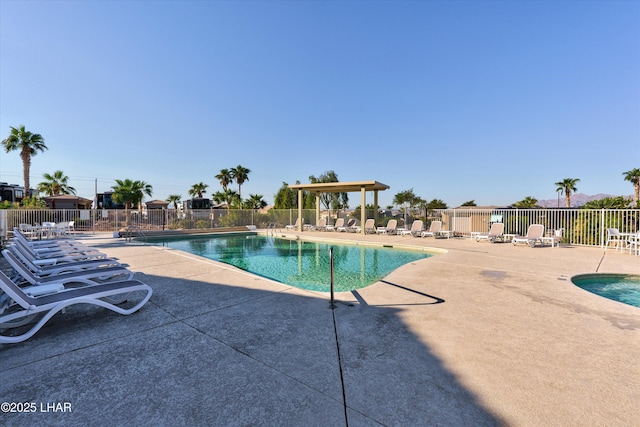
(613, 236)
(633, 243)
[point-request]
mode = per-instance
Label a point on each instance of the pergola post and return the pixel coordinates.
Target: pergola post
(375, 206)
(363, 209)
(300, 204)
(317, 208)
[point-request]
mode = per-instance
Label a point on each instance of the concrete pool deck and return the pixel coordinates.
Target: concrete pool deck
(484, 334)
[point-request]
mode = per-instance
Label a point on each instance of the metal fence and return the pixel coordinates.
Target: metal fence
(580, 226)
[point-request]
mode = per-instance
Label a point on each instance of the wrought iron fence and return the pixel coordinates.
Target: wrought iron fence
(580, 226)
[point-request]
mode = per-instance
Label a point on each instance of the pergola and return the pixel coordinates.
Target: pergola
(340, 187)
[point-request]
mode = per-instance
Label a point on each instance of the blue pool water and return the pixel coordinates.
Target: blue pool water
(618, 287)
(302, 264)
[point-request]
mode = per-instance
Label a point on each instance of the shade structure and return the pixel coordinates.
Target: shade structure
(340, 187)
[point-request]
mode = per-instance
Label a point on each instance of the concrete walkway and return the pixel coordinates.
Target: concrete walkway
(484, 334)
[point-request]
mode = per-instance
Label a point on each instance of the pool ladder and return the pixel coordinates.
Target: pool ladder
(133, 231)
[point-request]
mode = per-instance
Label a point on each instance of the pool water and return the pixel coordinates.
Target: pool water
(618, 287)
(299, 263)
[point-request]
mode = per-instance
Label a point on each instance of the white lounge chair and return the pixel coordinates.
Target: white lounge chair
(415, 230)
(321, 225)
(51, 243)
(390, 228)
(496, 232)
(44, 268)
(535, 233)
(295, 226)
(351, 225)
(18, 306)
(369, 226)
(88, 277)
(339, 224)
(434, 229)
(63, 253)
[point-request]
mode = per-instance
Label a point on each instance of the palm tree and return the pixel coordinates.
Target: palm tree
(567, 186)
(526, 203)
(55, 184)
(29, 144)
(218, 197)
(198, 189)
(240, 174)
(130, 193)
(231, 198)
(225, 178)
(175, 199)
(633, 176)
(255, 201)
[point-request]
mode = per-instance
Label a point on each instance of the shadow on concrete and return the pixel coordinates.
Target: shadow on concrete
(203, 353)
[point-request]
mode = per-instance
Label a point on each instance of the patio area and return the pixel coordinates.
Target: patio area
(484, 334)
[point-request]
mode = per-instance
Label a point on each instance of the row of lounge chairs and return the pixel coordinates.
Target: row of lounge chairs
(535, 233)
(52, 274)
(339, 226)
(435, 230)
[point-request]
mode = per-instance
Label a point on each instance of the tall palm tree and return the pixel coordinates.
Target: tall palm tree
(240, 174)
(633, 176)
(225, 178)
(198, 189)
(175, 199)
(55, 184)
(29, 144)
(567, 186)
(130, 193)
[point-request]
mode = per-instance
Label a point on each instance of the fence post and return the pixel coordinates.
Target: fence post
(602, 228)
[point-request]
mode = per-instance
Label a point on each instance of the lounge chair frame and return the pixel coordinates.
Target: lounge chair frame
(27, 306)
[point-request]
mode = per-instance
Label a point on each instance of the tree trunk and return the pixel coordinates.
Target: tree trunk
(26, 166)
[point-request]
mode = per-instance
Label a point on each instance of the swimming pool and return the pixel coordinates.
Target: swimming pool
(624, 288)
(300, 263)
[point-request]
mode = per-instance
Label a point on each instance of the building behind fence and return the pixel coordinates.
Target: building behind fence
(580, 226)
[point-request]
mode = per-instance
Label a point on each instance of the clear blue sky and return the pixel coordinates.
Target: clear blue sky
(486, 100)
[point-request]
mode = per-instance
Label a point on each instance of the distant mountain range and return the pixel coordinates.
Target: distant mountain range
(577, 200)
